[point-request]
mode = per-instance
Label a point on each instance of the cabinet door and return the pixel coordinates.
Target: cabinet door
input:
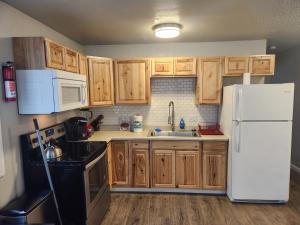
(214, 169)
(140, 167)
(101, 81)
(209, 80)
(185, 66)
(55, 55)
(83, 67)
(119, 163)
(71, 59)
(163, 67)
(262, 65)
(132, 82)
(163, 168)
(187, 169)
(236, 66)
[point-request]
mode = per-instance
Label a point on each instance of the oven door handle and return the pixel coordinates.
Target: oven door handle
(95, 160)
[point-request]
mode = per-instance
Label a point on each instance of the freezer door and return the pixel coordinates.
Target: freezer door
(260, 161)
(263, 102)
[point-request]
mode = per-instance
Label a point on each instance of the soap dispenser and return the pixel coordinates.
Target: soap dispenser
(182, 124)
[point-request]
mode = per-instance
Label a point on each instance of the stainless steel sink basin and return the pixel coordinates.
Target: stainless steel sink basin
(170, 133)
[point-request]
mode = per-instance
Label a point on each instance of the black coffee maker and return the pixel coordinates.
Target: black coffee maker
(76, 128)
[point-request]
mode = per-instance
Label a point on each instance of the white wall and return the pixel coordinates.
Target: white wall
(178, 49)
(15, 23)
(288, 70)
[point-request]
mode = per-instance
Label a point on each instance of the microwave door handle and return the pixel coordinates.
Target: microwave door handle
(83, 94)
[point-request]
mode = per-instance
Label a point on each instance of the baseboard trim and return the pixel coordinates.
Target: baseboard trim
(168, 190)
(295, 168)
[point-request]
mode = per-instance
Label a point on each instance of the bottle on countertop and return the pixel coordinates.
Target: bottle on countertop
(182, 124)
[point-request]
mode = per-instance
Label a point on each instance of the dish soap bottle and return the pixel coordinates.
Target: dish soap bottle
(182, 124)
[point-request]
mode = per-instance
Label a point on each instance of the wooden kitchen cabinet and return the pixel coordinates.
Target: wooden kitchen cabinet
(185, 66)
(139, 154)
(55, 55)
(214, 171)
(209, 80)
(71, 58)
(261, 65)
(83, 65)
(187, 169)
(132, 81)
(42, 53)
(162, 67)
(119, 163)
(236, 66)
(163, 168)
(101, 81)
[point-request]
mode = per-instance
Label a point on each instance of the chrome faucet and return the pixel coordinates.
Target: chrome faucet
(171, 117)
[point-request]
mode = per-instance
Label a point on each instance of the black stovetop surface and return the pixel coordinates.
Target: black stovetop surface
(80, 152)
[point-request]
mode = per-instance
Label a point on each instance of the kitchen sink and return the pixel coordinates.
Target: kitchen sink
(170, 133)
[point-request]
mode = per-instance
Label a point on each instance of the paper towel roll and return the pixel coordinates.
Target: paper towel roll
(137, 123)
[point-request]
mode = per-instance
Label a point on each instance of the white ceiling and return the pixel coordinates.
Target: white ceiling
(93, 22)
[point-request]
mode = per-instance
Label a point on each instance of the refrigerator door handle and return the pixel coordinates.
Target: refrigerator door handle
(237, 136)
(239, 104)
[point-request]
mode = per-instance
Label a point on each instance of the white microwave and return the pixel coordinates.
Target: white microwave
(49, 91)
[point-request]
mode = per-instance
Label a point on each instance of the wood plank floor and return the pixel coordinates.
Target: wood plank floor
(182, 209)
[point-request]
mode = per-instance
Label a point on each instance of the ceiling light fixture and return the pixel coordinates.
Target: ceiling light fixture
(167, 30)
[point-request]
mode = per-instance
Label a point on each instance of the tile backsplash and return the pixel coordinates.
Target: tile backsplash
(164, 90)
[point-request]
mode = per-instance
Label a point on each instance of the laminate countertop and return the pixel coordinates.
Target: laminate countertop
(111, 134)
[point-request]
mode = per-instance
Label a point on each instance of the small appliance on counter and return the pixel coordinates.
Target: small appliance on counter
(76, 129)
(209, 129)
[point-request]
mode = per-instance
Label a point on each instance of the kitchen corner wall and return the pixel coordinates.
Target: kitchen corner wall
(15, 23)
(287, 70)
(179, 90)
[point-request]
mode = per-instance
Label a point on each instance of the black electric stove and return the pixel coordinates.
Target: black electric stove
(80, 163)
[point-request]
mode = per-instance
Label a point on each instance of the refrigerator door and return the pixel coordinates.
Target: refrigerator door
(261, 102)
(260, 161)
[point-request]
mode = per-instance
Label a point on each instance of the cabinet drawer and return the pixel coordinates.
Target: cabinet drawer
(215, 146)
(194, 145)
(139, 144)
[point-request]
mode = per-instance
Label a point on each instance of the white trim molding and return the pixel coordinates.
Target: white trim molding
(295, 168)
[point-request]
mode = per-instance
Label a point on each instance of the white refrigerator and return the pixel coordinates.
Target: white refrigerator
(257, 118)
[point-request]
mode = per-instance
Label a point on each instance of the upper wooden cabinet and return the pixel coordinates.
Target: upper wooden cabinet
(132, 81)
(119, 163)
(262, 65)
(209, 82)
(83, 67)
(162, 67)
(42, 53)
(185, 66)
(236, 66)
(101, 81)
(55, 55)
(174, 66)
(214, 165)
(71, 59)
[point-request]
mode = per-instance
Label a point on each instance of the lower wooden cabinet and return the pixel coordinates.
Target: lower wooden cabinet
(140, 167)
(133, 164)
(119, 163)
(214, 165)
(187, 169)
(163, 168)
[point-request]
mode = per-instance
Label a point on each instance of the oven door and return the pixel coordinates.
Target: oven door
(96, 180)
(70, 94)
